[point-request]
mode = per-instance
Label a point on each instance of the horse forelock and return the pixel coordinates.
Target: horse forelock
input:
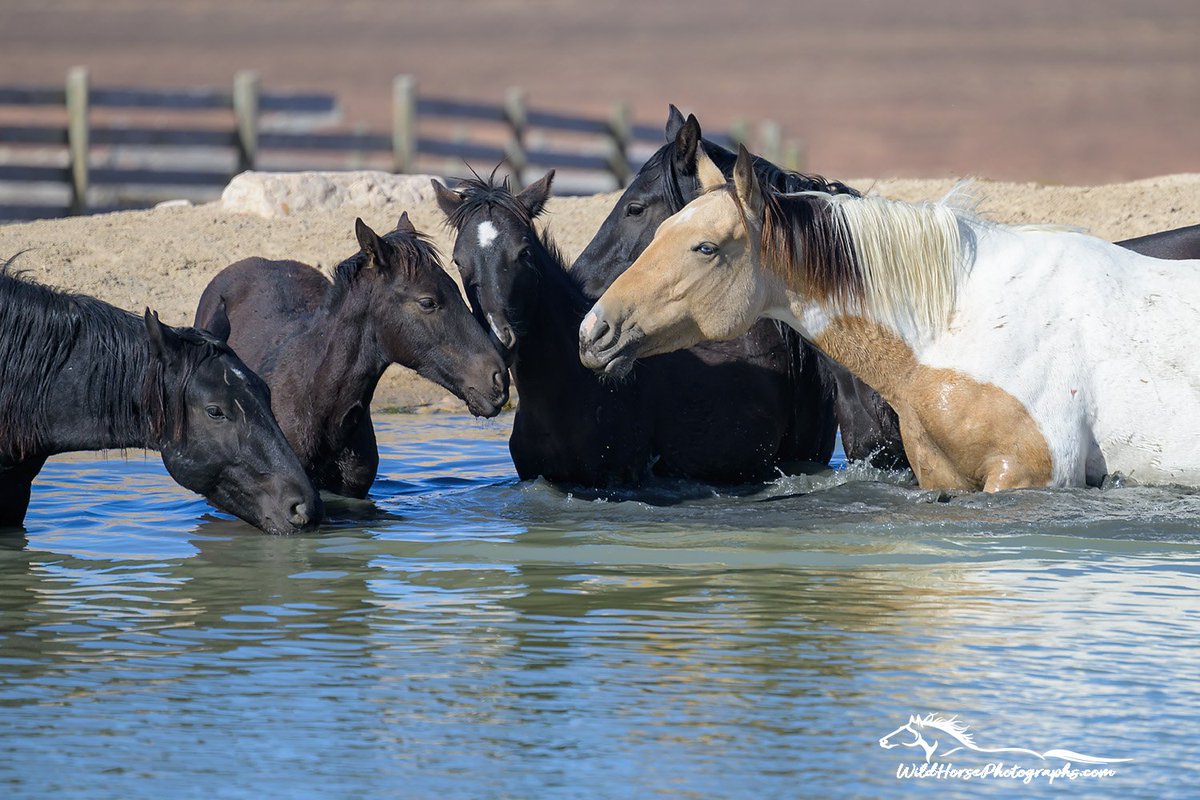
(484, 194)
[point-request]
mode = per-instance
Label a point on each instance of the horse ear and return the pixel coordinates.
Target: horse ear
(370, 242)
(405, 224)
(709, 173)
(674, 122)
(448, 200)
(219, 325)
(164, 343)
(536, 194)
(745, 183)
(687, 145)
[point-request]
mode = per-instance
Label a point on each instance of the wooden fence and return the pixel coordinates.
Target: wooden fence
(110, 163)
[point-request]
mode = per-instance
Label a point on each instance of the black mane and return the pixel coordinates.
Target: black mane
(769, 175)
(41, 329)
(417, 252)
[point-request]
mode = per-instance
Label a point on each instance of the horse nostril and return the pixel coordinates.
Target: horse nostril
(498, 381)
(301, 514)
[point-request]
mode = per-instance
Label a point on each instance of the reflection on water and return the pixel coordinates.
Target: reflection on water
(483, 638)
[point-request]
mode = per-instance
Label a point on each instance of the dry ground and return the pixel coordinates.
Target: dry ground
(163, 258)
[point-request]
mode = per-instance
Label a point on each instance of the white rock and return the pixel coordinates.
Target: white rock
(278, 194)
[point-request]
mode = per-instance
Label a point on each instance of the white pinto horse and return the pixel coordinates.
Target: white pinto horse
(1015, 356)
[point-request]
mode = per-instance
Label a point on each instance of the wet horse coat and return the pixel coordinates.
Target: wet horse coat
(1014, 356)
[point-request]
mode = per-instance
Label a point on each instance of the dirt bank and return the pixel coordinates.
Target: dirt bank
(163, 258)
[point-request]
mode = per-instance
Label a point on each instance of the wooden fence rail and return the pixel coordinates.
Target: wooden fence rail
(523, 137)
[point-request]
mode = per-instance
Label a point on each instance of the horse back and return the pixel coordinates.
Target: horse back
(265, 301)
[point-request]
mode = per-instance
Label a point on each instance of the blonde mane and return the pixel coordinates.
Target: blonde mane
(909, 257)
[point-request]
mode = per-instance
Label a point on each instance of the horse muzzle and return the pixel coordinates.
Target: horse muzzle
(608, 348)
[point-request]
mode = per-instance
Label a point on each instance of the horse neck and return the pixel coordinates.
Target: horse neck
(102, 406)
(549, 337)
(337, 356)
(879, 335)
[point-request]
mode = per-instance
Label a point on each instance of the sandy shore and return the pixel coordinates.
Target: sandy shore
(164, 258)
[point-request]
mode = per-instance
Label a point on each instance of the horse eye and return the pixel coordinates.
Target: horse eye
(427, 303)
(634, 210)
(706, 248)
(214, 412)
(525, 253)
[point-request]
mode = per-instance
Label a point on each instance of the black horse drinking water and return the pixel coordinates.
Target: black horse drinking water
(79, 374)
(664, 185)
(323, 346)
(573, 427)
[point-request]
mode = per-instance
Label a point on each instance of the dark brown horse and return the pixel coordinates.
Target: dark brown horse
(322, 347)
(79, 374)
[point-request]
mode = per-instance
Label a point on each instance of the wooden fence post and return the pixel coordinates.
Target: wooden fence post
(620, 129)
(770, 141)
(77, 137)
(739, 133)
(514, 113)
(404, 123)
(793, 155)
(245, 116)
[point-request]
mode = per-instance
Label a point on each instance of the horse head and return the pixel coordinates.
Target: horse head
(664, 185)
(496, 251)
(217, 435)
(421, 321)
(909, 735)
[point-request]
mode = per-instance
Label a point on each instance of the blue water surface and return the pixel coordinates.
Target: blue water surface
(470, 636)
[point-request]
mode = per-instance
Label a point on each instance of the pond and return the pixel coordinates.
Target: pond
(473, 636)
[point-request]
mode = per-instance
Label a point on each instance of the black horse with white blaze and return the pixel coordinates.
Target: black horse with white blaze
(718, 414)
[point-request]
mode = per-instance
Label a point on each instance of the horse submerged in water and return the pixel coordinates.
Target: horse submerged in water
(323, 345)
(79, 374)
(1015, 356)
(574, 427)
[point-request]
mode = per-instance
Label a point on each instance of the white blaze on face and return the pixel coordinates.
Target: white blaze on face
(487, 233)
(492, 322)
